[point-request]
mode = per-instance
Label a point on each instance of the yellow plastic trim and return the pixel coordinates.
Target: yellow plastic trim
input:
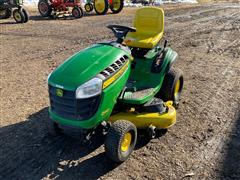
(126, 142)
(145, 119)
(115, 76)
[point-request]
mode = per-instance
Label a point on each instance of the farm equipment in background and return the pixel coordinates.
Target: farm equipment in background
(55, 8)
(13, 7)
(101, 6)
(62, 7)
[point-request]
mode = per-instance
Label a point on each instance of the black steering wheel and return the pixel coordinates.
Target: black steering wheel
(121, 31)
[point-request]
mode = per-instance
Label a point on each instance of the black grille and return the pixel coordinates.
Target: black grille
(69, 107)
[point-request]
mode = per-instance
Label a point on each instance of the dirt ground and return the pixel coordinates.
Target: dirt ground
(204, 143)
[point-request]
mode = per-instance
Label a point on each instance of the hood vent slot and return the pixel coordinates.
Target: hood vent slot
(109, 71)
(115, 66)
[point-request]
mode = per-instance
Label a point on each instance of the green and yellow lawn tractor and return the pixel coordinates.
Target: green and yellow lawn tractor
(101, 6)
(119, 87)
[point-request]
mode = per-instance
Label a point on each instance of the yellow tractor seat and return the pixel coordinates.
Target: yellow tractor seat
(149, 22)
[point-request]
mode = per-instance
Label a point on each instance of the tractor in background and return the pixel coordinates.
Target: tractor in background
(57, 8)
(101, 6)
(13, 7)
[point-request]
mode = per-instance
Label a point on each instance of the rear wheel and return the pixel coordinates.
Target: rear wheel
(44, 8)
(19, 16)
(26, 16)
(172, 86)
(120, 140)
(77, 12)
(101, 6)
(116, 6)
(88, 7)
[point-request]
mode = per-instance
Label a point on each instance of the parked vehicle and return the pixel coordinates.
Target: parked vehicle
(55, 8)
(116, 88)
(101, 6)
(13, 7)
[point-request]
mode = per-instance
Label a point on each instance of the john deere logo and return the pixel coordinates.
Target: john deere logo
(59, 92)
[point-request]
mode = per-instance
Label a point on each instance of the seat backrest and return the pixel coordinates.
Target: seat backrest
(149, 20)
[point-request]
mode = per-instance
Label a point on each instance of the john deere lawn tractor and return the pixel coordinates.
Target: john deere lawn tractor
(119, 87)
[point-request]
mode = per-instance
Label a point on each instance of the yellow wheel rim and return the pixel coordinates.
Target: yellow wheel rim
(18, 16)
(177, 88)
(100, 5)
(87, 8)
(116, 4)
(126, 142)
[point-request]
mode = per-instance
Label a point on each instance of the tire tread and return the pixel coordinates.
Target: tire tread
(113, 139)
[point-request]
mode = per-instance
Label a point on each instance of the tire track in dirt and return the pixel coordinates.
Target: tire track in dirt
(213, 142)
(201, 23)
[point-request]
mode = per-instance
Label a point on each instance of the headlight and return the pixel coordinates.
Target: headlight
(89, 89)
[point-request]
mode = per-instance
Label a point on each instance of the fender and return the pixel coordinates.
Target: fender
(171, 58)
(164, 61)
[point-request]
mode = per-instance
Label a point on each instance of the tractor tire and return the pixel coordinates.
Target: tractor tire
(8, 13)
(26, 16)
(44, 8)
(172, 87)
(120, 140)
(77, 12)
(53, 129)
(18, 16)
(116, 6)
(88, 7)
(101, 6)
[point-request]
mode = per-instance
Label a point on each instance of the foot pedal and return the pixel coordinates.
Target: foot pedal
(155, 105)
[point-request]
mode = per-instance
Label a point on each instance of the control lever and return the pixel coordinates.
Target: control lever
(156, 67)
(162, 53)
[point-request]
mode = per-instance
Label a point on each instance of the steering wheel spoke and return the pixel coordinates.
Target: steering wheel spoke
(120, 32)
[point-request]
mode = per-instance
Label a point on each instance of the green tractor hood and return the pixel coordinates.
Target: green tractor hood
(84, 65)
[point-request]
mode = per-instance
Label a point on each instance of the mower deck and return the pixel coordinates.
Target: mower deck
(155, 113)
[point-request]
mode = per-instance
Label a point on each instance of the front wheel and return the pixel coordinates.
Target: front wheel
(77, 12)
(53, 128)
(120, 140)
(101, 6)
(116, 6)
(172, 86)
(19, 16)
